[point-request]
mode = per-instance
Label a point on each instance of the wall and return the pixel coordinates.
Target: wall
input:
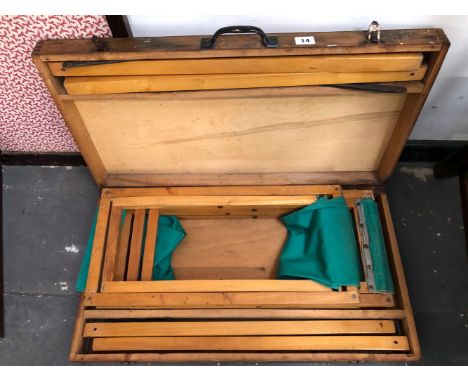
(445, 115)
(29, 119)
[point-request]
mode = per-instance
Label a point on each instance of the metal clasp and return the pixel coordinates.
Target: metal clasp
(374, 32)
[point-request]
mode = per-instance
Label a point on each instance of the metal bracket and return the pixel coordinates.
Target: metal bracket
(374, 32)
(366, 254)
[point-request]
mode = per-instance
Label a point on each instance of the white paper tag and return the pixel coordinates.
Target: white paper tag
(305, 40)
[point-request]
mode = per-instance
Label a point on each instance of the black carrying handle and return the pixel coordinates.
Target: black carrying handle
(267, 41)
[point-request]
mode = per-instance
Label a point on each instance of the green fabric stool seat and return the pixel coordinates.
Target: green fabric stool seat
(321, 245)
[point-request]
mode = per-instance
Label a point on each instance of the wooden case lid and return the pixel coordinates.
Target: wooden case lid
(163, 111)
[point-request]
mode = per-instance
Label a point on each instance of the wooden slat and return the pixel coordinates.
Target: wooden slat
(334, 190)
(394, 258)
(77, 338)
(259, 93)
(176, 357)
(263, 343)
(356, 178)
(74, 122)
(177, 286)
(227, 300)
(122, 251)
(409, 115)
(97, 254)
(176, 47)
(374, 300)
(150, 246)
(213, 201)
(135, 84)
(388, 314)
(235, 328)
(296, 64)
(111, 244)
(133, 266)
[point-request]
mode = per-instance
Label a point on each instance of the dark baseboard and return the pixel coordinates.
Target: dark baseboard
(414, 151)
(41, 159)
(430, 151)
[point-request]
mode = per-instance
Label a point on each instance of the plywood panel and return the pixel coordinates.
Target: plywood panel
(315, 133)
(243, 249)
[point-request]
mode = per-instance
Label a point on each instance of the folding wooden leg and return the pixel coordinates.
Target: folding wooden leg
(122, 251)
(150, 245)
(135, 246)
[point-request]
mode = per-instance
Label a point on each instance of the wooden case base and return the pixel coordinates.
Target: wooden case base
(225, 304)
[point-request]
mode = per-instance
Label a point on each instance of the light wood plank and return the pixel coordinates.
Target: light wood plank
(227, 300)
(388, 314)
(264, 343)
(122, 251)
(135, 84)
(150, 246)
(235, 328)
(77, 337)
(334, 190)
(350, 178)
(111, 244)
(330, 63)
(133, 267)
(394, 258)
(176, 357)
(176, 286)
(97, 253)
(161, 202)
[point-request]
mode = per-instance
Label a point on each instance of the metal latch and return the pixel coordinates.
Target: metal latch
(374, 32)
(366, 254)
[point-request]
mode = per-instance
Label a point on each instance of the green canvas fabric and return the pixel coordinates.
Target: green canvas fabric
(170, 234)
(83, 274)
(321, 245)
(382, 275)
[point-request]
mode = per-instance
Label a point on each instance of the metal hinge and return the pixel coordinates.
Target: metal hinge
(374, 32)
(366, 254)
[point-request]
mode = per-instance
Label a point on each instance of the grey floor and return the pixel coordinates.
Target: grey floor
(47, 216)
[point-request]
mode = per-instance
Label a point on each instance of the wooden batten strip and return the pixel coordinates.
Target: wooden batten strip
(357, 178)
(247, 357)
(122, 251)
(334, 190)
(133, 267)
(150, 246)
(97, 254)
(235, 328)
(178, 286)
(136, 84)
(227, 299)
(112, 244)
(396, 62)
(394, 258)
(262, 343)
(212, 201)
(388, 314)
